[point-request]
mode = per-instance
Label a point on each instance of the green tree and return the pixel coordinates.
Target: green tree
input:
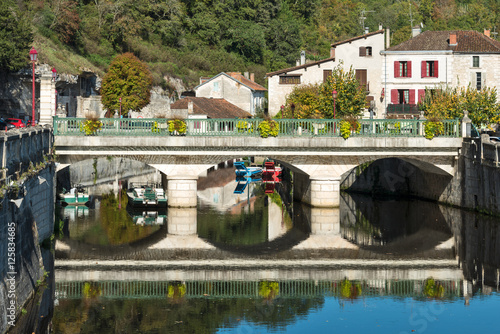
(316, 101)
(450, 104)
(127, 78)
(15, 37)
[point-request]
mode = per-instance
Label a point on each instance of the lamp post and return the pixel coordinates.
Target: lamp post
(334, 95)
(33, 57)
(54, 76)
(120, 107)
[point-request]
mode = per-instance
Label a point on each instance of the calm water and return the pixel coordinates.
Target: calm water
(260, 263)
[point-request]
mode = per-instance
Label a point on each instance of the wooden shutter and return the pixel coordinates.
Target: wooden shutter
(412, 96)
(421, 94)
(361, 76)
(326, 74)
(423, 69)
(396, 69)
(436, 69)
(394, 96)
(362, 51)
(409, 69)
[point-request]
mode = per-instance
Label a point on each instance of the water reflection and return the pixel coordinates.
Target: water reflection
(257, 262)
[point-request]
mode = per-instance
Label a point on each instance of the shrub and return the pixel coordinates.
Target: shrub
(176, 126)
(433, 128)
(90, 126)
(349, 125)
(269, 128)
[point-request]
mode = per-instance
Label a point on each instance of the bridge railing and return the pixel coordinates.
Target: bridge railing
(250, 127)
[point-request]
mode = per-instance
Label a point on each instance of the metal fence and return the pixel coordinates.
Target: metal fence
(250, 289)
(250, 127)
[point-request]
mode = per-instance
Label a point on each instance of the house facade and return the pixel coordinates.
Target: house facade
(361, 52)
(435, 60)
(240, 90)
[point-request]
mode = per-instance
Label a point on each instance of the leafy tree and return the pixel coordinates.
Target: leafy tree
(316, 101)
(130, 79)
(15, 37)
(450, 104)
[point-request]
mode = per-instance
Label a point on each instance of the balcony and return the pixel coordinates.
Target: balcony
(406, 109)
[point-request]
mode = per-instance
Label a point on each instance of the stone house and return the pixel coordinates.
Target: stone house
(203, 107)
(435, 60)
(361, 52)
(240, 90)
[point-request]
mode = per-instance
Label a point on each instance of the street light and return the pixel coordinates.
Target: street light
(334, 95)
(54, 76)
(33, 56)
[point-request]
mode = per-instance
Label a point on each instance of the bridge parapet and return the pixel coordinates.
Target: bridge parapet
(161, 127)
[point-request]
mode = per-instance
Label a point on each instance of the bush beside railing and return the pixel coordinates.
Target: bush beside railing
(249, 127)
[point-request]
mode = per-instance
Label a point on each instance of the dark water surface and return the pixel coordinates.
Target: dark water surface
(260, 263)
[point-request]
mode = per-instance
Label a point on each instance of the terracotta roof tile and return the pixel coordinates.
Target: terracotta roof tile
(299, 67)
(358, 37)
(241, 78)
(467, 42)
(213, 108)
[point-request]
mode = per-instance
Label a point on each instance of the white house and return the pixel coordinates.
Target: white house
(437, 59)
(235, 88)
(361, 52)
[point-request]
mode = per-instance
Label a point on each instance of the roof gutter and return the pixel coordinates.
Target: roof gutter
(417, 52)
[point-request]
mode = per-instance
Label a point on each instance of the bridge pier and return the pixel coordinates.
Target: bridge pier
(181, 191)
(317, 191)
(182, 221)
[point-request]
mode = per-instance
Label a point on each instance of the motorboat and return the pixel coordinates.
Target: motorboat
(77, 195)
(147, 196)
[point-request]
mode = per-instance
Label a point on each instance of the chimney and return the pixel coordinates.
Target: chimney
(453, 38)
(367, 30)
(415, 31)
(302, 57)
(380, 26)
(252, 77)
(332, 52)
(190, 107)
(487, 33)
(387, 38)
(245, 74)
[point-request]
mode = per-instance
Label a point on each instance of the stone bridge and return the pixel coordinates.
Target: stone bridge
(318, 162)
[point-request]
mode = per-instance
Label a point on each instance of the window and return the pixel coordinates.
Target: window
(216, 86)
(430, 69)
(361, 76)
(326, 74)
(403, 96)
(290, 80)
(475, 61)
(479, 81)
(402, 69)
(365, 51)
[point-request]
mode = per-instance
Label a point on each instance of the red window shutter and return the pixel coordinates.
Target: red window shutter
(396, 69)
(421, 94)
(436, 70)
(394, 96)
(424, 68)
(412, 96)
(409, 69)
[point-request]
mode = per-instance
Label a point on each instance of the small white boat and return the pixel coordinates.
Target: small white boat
(147, 196)
(75, 196)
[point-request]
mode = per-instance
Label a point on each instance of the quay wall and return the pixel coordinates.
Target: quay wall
(27, 200)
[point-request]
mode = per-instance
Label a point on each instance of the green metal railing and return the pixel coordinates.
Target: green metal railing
(248, 289)
(250, 127)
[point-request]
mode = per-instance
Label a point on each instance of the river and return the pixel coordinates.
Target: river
(257, 262)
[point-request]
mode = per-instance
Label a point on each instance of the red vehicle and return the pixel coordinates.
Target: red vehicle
(16, 122)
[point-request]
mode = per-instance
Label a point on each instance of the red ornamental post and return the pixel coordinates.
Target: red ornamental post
(334, 95)
(33, 57)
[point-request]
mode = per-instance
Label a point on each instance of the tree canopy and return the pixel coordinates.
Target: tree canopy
(15, 37)
(316, 100)
(127, 78)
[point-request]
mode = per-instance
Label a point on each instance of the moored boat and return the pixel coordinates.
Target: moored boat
(147, 196)
(75, 196)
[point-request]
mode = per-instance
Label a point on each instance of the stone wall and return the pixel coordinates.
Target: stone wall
(19, 147)
(28, 214)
